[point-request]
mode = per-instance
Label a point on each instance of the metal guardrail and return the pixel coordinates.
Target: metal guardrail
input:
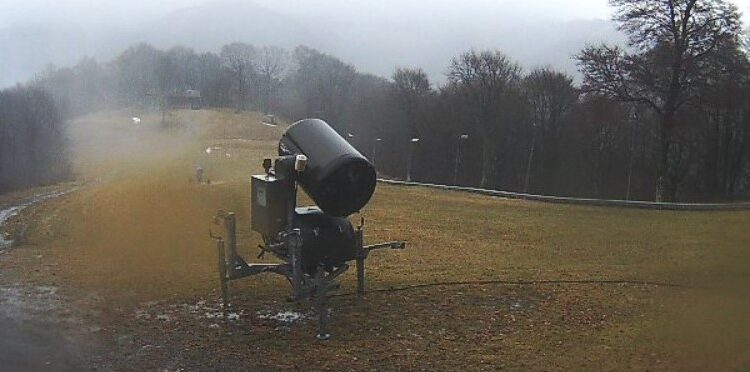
(581, 201)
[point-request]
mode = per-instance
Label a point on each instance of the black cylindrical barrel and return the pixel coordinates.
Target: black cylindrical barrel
(337, 177)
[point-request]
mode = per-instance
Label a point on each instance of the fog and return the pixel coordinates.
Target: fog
(374, 36)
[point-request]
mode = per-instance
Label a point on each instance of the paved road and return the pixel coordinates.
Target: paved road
(33, 345)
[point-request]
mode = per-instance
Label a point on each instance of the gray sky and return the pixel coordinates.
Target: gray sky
(127, 11)
(373, 35)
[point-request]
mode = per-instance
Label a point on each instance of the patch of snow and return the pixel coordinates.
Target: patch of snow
(5, 215)
(142, 314)
(282, 316)
(214, 315)
(233, 316)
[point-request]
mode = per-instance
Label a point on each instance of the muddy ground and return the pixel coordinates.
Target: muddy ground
(120, 274)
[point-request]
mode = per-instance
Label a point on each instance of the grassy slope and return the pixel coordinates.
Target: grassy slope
(139, 233)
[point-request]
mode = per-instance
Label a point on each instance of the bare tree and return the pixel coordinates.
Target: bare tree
(33, 145)
(550, 95)
(602, 145)
(238, 58)
(137, 74)
(323, 83)
(271, 64)
(725, 129)
(485, 77)
(673, 40)
(411, 88)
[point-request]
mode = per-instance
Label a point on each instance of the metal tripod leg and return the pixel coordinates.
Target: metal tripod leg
(223, 277)
(361, 256)
(321, 301)
(295, 254)
(360, 276)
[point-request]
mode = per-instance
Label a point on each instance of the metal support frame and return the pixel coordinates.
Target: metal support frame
(304, 286)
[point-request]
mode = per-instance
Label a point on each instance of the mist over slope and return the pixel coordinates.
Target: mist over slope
(373, 39)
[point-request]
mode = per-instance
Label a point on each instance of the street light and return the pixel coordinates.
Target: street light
(374, 149)
(411, 158)
(461, 138)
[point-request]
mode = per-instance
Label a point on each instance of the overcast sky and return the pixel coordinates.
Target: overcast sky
(375, 36)
(127, 11)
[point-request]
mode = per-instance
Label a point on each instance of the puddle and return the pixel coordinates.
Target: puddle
(25, 303)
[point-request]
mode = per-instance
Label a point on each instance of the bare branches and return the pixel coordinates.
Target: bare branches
(687, 25)
(550, 94)
(239, 57)
(610, 71)
(271, 63)
(412, 88)
(485, 75)
(674, 40)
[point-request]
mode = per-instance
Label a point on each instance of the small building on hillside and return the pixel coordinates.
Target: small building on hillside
(194, 98)
(190, 98)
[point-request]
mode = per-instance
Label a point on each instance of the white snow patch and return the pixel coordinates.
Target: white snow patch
(47, 290)
(214, 315)
(282, 316)
(142, 314)
(233, 316)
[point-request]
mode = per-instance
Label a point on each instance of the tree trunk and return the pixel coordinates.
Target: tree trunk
(631, 160)
(666, 190)
(530, 162)
(488, 162)
(241, 92)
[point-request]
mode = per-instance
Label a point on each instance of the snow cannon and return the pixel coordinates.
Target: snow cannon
(317, 243)
(337, 177)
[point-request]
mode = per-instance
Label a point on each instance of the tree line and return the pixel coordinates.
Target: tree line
(33, 148)
(665, 118)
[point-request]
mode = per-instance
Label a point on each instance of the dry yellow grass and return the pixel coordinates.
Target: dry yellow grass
(140, 234)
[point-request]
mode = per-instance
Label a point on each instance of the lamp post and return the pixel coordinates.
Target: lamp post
(414, 142)
(374, 150)
(461, 138)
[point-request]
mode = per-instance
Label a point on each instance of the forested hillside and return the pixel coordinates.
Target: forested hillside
(669, 119)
